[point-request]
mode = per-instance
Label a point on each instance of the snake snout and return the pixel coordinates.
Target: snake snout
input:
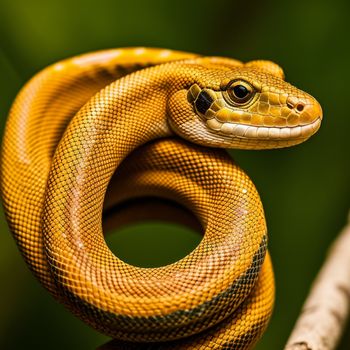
(307, 109)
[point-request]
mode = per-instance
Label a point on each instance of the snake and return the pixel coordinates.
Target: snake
(94, 134)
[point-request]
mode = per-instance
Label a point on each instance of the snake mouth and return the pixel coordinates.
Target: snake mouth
(262, 132)
(213, 111)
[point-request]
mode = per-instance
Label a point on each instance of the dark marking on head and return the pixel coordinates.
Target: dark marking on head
(203, 102)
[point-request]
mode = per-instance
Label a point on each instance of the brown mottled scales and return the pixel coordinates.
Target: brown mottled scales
(54, 185)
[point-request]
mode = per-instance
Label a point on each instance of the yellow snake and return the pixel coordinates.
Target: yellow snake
(79, 121)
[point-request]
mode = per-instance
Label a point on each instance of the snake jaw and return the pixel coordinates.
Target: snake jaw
(272, 118)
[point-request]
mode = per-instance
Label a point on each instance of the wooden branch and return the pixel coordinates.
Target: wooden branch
(326, 309)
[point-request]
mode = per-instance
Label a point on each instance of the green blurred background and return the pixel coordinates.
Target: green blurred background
(305, 190)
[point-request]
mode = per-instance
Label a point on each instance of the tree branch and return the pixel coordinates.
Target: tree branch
(326, 309)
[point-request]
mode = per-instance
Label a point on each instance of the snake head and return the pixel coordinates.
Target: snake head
(247, 106)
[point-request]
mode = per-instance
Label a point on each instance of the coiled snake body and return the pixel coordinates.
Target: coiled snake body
(72, 126)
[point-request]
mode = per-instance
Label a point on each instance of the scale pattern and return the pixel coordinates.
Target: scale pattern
(78, 121)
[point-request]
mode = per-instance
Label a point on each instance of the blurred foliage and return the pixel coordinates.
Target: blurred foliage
(305, 190)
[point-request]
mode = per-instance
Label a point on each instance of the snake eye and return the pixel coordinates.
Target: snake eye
(240, 92)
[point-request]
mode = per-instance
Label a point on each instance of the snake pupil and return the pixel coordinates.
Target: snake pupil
(240, 91)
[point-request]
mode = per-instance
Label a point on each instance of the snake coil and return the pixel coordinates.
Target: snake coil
(81, 120)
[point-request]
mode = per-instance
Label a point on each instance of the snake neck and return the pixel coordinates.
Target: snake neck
(123, 116)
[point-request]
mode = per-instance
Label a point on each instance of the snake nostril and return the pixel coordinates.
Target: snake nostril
(300, 107)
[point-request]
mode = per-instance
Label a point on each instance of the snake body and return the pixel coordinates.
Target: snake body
(79, 121)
